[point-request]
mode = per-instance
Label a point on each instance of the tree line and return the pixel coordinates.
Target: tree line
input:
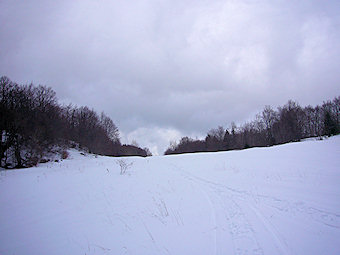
(33, 124)
(289, 123)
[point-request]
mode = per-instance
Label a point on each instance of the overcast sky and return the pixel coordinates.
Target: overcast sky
(164, 69)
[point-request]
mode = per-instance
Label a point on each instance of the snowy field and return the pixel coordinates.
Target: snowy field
(278, 200)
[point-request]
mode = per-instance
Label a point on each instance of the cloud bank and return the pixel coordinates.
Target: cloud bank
(163, 69)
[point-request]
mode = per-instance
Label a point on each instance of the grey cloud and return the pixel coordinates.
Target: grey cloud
(183, 66)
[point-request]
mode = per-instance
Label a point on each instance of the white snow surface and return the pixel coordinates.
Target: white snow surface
(276, 200)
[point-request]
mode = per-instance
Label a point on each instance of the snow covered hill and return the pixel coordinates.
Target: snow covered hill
(278, 200)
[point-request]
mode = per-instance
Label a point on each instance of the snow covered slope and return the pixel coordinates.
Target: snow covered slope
(277, 200)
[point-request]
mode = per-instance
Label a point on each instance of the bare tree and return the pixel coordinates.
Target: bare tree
(109, 127)
(269, 117)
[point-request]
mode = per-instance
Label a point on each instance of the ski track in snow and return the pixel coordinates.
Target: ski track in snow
(233, 203)
(231, 222)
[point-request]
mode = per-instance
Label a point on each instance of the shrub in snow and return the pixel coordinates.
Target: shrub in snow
(124, 165)
(64, 155)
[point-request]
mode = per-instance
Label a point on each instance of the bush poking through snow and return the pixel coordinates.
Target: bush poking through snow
(124, 165)
(64, 154)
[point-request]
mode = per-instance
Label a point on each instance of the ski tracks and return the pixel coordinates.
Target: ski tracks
(238, 231)
(232, 231)
(240, 228)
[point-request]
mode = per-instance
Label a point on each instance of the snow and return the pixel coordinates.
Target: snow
(276, 200)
